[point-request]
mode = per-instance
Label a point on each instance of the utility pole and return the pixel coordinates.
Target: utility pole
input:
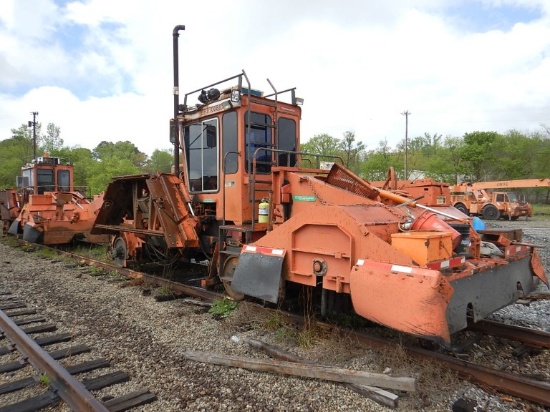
(406, 114)
(33, 124)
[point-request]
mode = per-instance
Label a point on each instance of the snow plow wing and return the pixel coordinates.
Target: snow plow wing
(420, 308)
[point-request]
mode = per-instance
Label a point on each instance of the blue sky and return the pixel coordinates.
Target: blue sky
(101, 70)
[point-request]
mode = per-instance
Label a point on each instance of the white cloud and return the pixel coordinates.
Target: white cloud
(358, 65)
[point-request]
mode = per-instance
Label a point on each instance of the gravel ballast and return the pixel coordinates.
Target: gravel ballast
(147, 339)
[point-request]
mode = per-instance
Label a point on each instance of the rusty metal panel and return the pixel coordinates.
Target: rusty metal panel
(117, 201)
(177, 223)
(344, 179)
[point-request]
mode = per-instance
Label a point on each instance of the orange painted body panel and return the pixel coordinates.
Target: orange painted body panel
(428, 191)
(10, 206)
(424, 247)
(417, 303)
(61, 216)
(337, 236)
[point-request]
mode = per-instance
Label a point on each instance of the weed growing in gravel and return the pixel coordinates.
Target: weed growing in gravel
(223, 307)
(275, 321)
(9, 240)
(93, 251)
(96, 271)
(116, 275)
(44, 379)
(47, 253)
(164, 293)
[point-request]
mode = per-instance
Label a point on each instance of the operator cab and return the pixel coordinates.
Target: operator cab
(45, 174)
(230, 142)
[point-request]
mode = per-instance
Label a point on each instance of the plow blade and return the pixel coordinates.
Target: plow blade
(412, 300)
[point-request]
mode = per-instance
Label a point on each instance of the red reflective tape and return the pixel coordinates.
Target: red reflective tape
(516, 249)
(263, 250)
(444, 264)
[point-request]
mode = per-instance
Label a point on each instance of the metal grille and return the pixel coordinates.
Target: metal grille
(344, 179)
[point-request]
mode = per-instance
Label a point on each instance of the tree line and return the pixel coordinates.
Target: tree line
(476, 156)
(92, 168)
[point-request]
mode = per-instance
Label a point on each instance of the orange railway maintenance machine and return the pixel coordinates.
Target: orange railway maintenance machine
(46, 208)
(355, 247)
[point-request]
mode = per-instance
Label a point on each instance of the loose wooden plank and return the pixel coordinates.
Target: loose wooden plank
(381, 396)
(307, 371)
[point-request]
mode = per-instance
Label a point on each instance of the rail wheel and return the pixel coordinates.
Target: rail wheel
(462, 207)
(120, 252)
(515, 217)
(490, 212)
(227, 276)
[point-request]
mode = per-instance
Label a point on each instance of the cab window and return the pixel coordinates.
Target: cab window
(230, 147)
(44, 180)
(258, 137)
(201, 141)
(287, 141)
(64, 180)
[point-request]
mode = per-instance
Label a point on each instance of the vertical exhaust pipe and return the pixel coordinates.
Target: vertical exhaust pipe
(175, 35)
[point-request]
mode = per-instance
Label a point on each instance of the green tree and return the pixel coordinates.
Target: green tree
(100, 173)
(14, 153)
(353, 152)
(377, 163)
(51, 141)
(478, 154)
(23, 143)
(322, 144)
(82, 160)
(160, 161)
(120, 150)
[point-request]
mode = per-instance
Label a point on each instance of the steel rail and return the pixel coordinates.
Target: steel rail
(65, 385)
(531, 337)
(520, 386)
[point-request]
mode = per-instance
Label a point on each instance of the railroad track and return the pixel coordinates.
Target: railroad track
(507, 383)
(47, 382)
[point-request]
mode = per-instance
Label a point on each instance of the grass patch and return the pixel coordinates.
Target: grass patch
(541, 209)
(222, 308)
(92, 251)
(274, 321)
(163, 294)
(47, 253)
(44, 379)
(96, 271)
